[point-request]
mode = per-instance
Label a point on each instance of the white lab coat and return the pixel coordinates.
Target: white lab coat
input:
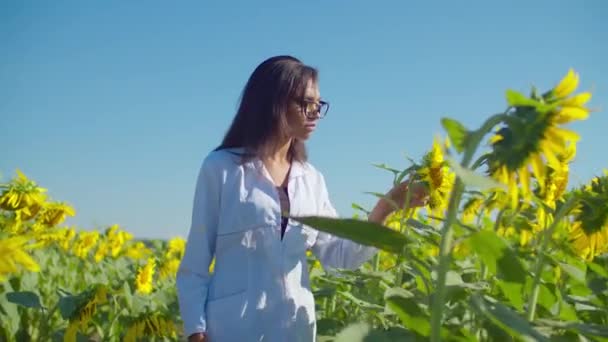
(260, 288)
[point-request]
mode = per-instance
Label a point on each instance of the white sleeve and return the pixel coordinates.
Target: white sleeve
(334, 251)
(193, 276)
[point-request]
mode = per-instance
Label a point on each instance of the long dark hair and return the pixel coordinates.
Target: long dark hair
(261, 115)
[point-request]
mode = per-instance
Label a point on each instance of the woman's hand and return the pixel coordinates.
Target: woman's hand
(418, 194)
(198, 337)
(396, 200)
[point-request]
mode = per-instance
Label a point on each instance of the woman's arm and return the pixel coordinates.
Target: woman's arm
(397, 195)
(193, 276)
(333, 251)
(337, 252)
(379, 213)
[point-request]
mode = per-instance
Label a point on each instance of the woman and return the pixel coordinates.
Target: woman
(246, 188)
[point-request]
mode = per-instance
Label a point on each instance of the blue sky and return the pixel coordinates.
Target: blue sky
(112, 105)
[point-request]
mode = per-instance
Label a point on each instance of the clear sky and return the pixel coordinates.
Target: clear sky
(112, 105)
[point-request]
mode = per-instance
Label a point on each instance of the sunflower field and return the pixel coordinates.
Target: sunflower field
(507, 249)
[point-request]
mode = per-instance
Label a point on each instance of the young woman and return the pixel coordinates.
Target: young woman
(246, 189)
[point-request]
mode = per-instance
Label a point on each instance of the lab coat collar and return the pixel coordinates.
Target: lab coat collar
(298, 169)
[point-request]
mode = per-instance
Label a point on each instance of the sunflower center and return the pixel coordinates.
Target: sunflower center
(521, 138)
(592, 217)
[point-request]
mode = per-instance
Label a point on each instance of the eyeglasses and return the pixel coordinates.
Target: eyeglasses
(313, 109)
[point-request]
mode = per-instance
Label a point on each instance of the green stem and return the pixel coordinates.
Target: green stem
(399, 270)
(479, 162)
(418, 266)
(403, 229)
(498, 220)
(544, 242)
(113, 320)
(381, 319)
(333, 304)
(45, 331)
(447, 236)
(484, 272)
(406, 207)
(447, 233)
(377, 262)
(536, 287)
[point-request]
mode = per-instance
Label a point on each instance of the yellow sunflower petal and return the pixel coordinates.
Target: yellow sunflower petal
(504, 175)
(524, 177)
(496, 138)
(27, 261)
(447, 143)
(538, 167)
(548, 149)
(513, 191)
(569, 114)
(541, 218)
(525, 237)
(21, 177)
(567, 85)
(577, 101)
(564, 134)
(570, 153)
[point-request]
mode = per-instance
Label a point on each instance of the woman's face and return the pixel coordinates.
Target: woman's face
(304, 113)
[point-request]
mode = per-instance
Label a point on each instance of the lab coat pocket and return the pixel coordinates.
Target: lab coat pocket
(254, 208)
(227, 319)
(301, 239)
(311, 236)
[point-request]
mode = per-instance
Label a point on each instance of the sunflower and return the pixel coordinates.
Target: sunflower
(112, 242)
(22, 193)
(471, 209)
(553, 190)
(84, 243)
(29, 212)
(67, 235)
(532, 137)
(138, 250)
(176, 248)
(47, 238)
(116, 239)
(589, 242)
(168, 268)
(435, 172)
(87, 307)
(145, 275)
(589, 231)
(53, 214)
(61, 237)
(395, 219)
(103, 249)
(150, 325)
(387, 260)
(14, 255)
(556, 181)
